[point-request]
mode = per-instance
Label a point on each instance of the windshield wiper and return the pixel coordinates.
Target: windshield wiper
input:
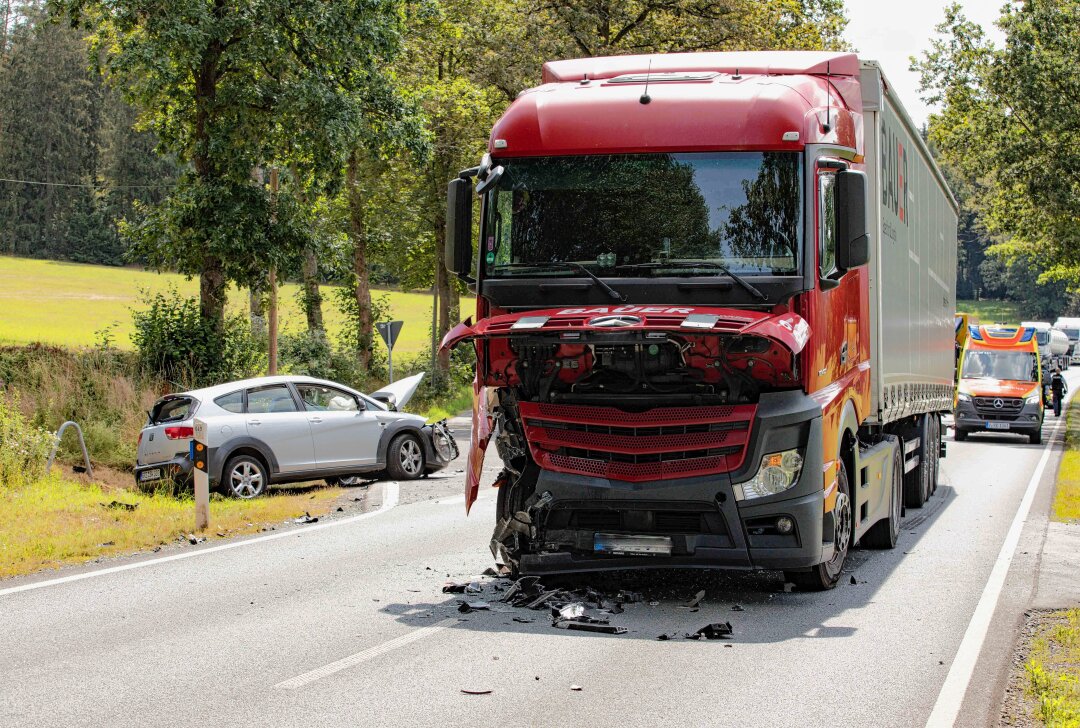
(746, 285)
(615, 295)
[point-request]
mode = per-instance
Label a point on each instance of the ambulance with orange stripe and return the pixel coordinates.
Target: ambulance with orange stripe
(1000, 383)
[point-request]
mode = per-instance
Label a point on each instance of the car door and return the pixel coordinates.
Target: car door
(275, 418)
(345, 432)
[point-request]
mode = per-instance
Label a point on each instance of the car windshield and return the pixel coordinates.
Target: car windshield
(1013, 365)
(629, 215)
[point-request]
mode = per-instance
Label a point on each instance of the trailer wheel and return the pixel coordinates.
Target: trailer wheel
(825, 576)
(917, 482)
(884, 533)
(935, 451)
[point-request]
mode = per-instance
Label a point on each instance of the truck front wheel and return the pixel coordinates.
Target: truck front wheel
(825, 576)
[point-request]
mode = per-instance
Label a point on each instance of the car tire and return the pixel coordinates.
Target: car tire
(825, 576)
(245, 477)
(884, 533)
(1035, 437)
(405, 457)
(959, 435)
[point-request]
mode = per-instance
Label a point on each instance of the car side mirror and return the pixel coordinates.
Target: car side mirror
(457, 255)
(852, 237)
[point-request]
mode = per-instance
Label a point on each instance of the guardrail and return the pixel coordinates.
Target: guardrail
(82, 444)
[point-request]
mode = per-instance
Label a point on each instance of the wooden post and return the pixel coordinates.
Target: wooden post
(272, 313)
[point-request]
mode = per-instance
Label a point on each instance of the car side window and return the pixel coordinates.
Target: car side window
(320, 398)
(268, 400)
(232, 402)
(827, 215)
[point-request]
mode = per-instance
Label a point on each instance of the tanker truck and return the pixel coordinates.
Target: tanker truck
(714, 314)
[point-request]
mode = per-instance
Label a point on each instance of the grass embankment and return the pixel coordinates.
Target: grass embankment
(55, 522)
(992, 312)
(1066, 505)
(1053, 669)
(66, 304)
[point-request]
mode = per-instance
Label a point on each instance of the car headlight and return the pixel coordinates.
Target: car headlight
(778, 472)
(1033, 399)
(960, 396)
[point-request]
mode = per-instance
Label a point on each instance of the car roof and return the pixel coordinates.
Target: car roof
(219, 389)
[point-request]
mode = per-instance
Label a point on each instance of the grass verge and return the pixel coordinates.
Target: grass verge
(55, 522)
(1053, 669)
(1066, 505)
(992, 312)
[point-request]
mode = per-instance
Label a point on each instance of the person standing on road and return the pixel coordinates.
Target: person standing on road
(1058, 388)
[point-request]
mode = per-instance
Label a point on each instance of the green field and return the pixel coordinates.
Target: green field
(992, 312)
(68, 303)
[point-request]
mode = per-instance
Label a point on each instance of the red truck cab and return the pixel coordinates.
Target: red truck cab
(673, 318)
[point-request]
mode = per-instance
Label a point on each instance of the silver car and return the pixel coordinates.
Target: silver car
(286, 429)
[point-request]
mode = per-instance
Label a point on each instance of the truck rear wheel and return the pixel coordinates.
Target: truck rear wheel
(884, 533)
(825, 576)
(917, 482)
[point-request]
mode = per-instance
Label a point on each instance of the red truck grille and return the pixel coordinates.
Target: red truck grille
(657, 444)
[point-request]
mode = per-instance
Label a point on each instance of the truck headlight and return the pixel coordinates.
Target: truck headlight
(778, 472)
(961, 397)
(1033, 399)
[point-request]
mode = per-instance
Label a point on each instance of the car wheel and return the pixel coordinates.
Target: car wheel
(245, 477)
(405, 457)
(824, 576)
(1035, 437)
(959, 435)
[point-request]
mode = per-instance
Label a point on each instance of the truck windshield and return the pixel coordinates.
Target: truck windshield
(628, 215)
(1013, 365)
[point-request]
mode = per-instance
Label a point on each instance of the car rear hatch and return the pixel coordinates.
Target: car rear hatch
(168, 430)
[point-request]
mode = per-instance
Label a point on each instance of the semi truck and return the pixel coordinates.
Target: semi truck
(1053, 346)
(1070, 326)
(714, 314)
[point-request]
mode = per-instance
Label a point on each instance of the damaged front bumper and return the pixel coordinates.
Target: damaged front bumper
(587, 524)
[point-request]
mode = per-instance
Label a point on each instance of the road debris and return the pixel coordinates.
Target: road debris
(576, 688)
(693, 603)
(475, 692)
(738, 608)
(788, 587)
(459, 587)
(466, 607)
(120, 506)
(853, 580)
(306, 518)
(714, 631)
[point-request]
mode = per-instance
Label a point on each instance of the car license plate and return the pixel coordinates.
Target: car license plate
(617, 543)
(997, 425)
(146, 475)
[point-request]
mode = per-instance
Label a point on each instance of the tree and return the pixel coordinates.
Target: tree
(228, 87)
(1009, 126)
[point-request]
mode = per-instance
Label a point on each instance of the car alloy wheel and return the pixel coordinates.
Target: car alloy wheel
(410, 457)
(246, 480)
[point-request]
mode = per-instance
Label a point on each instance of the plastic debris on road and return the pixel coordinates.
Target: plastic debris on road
(714, 631)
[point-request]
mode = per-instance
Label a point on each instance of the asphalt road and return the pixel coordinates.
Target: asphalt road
(344, 623)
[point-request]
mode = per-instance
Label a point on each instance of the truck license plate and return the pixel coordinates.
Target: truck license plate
(617, 543)
(997, 425)
(146, 475)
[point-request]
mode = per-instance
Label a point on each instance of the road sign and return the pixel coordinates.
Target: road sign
(200, 458)
(389, 331)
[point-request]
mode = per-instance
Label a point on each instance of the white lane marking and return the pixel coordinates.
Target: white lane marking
(951, 697)
(390, 499)
(363, 656)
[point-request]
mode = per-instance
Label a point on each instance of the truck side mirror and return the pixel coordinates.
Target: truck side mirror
(457, 255)
(852, 238)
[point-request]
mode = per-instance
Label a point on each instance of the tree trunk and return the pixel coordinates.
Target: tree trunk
(272, 325)
(442, 284)
(212, 295)
(312, 296)
(355, 197)
(257, 308)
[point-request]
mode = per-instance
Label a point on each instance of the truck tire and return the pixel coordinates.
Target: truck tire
(934, 453)
(884, 533)
(825, 576)
(917, 482)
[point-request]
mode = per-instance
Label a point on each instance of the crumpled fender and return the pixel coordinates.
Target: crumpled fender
(481, 435)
